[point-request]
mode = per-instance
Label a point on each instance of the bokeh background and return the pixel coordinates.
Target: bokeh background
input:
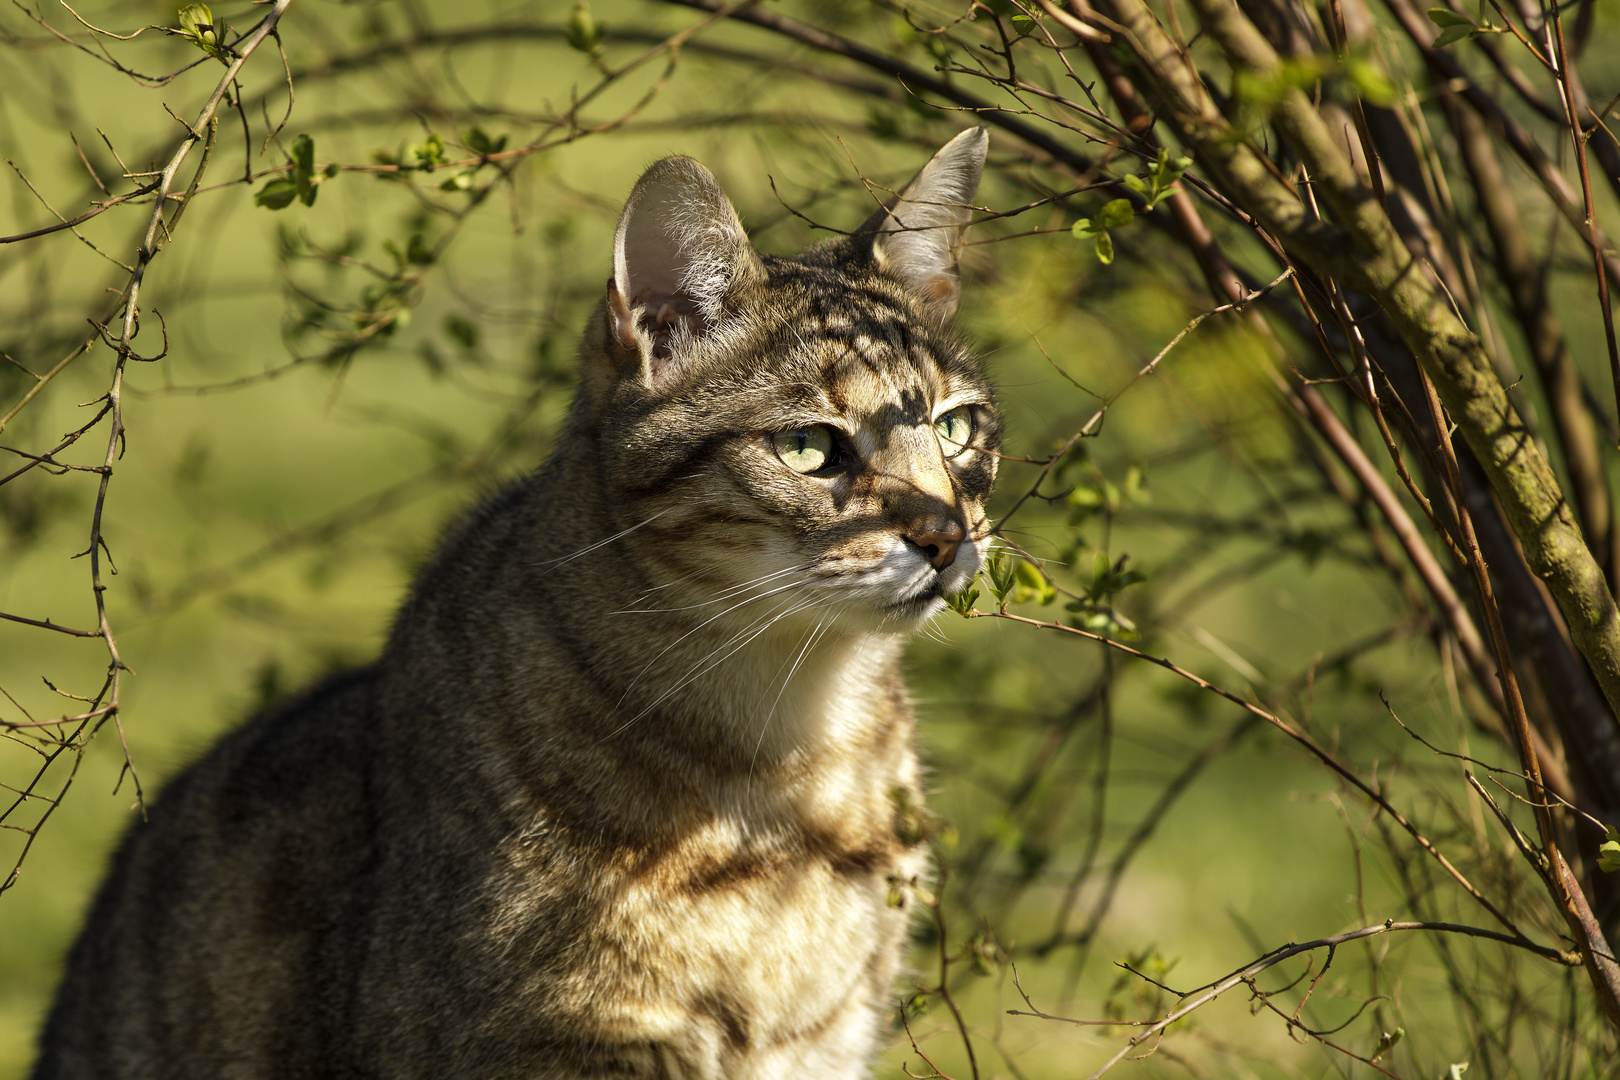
(342, 378)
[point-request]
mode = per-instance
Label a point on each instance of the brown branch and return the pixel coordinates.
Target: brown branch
(1193, 1000)
(1292, 732)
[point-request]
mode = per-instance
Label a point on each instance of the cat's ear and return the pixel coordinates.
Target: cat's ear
(679, 252)
(919, 237)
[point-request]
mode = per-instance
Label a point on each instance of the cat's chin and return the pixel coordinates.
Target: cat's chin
(908, 614)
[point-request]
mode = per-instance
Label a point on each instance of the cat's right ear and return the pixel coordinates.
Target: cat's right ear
(679, 253)
(919, 238)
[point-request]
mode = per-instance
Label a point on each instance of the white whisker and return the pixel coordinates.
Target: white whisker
(731, 645)
(553, 564)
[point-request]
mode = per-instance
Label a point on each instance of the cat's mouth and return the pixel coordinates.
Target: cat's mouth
(922, 597)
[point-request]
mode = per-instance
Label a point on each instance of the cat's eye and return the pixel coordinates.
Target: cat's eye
(955, 430)
(806, 450)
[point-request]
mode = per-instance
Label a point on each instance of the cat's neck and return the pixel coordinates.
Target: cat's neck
(538, 596)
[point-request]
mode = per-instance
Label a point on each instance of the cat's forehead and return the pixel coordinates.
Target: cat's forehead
(863, 345)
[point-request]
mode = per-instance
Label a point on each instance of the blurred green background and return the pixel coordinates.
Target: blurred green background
(266, 515)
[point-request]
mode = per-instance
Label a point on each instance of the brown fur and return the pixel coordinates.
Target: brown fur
(623, 795)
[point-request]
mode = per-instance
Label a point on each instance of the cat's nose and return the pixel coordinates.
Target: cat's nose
(938, 540)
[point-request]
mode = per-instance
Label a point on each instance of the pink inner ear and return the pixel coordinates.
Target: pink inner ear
(661, 316)
(623, 318)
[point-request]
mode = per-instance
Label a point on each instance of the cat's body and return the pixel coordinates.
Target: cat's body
(628, 791)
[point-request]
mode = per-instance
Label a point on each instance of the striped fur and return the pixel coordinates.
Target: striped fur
(626, 791)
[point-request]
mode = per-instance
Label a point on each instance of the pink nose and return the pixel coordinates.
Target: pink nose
(938, 540)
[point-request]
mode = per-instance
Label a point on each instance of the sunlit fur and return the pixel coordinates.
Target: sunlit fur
(629, 790)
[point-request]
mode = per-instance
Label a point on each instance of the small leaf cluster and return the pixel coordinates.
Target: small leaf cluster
(1114, 214)
(1130, 991)
(584, 33)
(1017, 581)
(304, 182)
(962, 602)
(479, 143)
(1161, 179)
(1455, 26)
(1608, 859)
(430, 154)
(1099, 495)
(1387, 1042)
(1095, 610)
(1350, 75)
(197, 26)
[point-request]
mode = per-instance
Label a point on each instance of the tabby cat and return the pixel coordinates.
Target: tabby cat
(631, 791)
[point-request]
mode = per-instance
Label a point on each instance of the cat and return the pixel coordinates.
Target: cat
(631, 790)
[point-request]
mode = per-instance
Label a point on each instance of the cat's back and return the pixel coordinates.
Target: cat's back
(224, 924)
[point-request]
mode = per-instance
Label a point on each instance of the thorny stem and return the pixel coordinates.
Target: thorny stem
(1299, 737)
(945, 971)
(1565, 892)
(1091, 426)
(1578, 137)
(1193, 1000)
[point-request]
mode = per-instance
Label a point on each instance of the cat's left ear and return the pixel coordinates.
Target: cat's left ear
(679, 253)
(919, 238)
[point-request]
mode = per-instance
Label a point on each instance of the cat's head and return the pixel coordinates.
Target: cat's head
(802, 438)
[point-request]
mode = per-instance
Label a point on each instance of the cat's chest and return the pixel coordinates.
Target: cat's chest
(736, 953)
(738, 944)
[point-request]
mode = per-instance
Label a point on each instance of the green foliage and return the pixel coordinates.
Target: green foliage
(962, 602)
(303, 183)
(583, 32)
(1131, 991)
(429, 153)
(1112, 215)
(1095, 611)
(197, 26)
(1161, 179)
(1098, 494)
(1349, 76)
(479, 143)
(1455, 27)
(1609, 851)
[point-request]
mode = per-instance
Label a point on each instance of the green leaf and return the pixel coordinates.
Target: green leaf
(418, 252)
(583, 32)
(303, 154)
(303, 162)
(1456, 1071)
(1116, 212)
(481, 143)
(1105, 247)
(1136, 486)
(1453, 34)
(1003, 575)
(197, 26)
(1373, 86)
(196, 19)
(429, 153)
(1084, 229)
(1031, 584)
(962, 602)
(1444, 17)
(1609, 852)
(278, 194)
(462, 331)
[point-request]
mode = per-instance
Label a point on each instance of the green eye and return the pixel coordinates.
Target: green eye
(955, 429)
(805, 450)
